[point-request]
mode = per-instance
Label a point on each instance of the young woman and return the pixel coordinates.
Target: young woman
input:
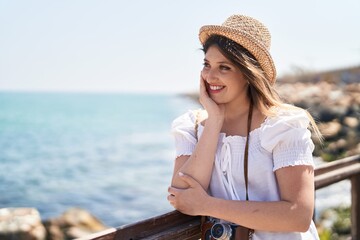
(246, 159)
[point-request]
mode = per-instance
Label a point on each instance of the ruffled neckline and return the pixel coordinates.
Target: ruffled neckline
(229, 137)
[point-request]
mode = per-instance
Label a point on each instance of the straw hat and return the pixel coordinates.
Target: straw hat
(249, 33)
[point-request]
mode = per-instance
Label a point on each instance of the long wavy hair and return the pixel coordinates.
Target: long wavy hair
(263, 94)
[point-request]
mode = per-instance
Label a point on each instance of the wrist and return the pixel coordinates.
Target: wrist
(207, 205)
(214, 122)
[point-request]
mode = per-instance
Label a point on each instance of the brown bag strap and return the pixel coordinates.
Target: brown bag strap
(247, 233)
(241, 232)
(246, 154)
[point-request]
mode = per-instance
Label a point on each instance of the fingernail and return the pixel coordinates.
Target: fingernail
(181, 174)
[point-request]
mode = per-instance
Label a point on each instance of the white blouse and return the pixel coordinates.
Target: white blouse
(280, 141)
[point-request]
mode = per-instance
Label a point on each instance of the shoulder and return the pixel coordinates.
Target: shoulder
(288, 116)
(189, 119)
(287, 126)
(287, 137)
(184, 130)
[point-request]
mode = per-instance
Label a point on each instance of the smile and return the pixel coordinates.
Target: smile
(216, 87)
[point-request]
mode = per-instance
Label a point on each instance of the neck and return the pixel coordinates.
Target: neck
(236, 110)
(236, 120)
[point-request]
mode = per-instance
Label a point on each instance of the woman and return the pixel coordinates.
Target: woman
(246, 159)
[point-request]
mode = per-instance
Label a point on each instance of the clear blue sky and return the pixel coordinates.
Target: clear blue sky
(152, 46)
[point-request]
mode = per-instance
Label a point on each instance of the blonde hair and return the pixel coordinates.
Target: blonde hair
(263, 94)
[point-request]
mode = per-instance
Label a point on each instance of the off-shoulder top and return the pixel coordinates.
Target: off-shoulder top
(282, 140)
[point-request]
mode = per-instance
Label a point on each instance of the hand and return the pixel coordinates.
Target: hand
(213, 109)
(190, 201)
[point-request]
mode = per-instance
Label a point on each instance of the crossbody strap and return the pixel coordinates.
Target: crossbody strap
(246, 154)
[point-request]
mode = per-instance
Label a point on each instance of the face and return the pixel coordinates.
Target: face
(224, 81)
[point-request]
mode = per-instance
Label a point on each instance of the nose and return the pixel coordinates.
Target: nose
(210, 75)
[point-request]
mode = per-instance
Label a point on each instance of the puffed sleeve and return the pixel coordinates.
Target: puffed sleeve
(183, 130)
(287, 137)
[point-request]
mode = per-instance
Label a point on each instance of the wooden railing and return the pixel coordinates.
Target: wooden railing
(175, 225)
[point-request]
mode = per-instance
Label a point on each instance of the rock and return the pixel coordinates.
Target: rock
(25, 224)
(82, 218)
(21, 224)
(54, 232)
(330, 129)
(333, 99)
(338, 145)
(351, 122)
(74, 223)
(354, 151)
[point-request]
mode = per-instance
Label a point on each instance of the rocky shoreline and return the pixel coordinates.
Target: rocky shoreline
(333, 99)
(26, 224)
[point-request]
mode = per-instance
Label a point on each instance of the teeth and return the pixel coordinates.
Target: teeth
(212, 87)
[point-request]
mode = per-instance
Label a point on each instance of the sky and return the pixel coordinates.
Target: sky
(153, 47)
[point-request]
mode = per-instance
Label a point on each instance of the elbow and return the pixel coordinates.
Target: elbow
(304, 225)
(298, 225)
(303, 221)
(300, 218)
(177, 182)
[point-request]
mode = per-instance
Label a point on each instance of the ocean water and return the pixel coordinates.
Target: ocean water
(111, 154)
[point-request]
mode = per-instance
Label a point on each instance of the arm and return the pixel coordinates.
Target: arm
(199, 165)
(292, 212)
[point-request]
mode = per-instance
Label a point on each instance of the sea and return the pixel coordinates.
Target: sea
(111, 154)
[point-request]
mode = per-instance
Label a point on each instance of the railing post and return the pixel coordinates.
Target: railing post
(355, 206)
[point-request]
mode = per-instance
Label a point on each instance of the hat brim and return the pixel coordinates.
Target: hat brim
(258, 50)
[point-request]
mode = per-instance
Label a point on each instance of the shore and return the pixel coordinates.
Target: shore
(333, 98)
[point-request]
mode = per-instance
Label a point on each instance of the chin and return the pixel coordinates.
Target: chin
(218, 101)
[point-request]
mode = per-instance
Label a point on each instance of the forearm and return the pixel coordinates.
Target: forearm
(281, 216)
(200, 164)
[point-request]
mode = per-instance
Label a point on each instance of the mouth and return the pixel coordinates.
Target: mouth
(215, 88)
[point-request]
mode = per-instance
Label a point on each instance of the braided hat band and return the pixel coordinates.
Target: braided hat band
(249, 33)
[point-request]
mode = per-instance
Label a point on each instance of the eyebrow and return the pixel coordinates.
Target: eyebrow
(221, 62)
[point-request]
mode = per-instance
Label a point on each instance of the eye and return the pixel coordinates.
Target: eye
(206, 65)
(224, 67)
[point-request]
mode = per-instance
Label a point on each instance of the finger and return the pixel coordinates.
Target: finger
(203, 88)
(203, 92)
(202, 81)
(188, 179)
(171, 198)
(202, 85)
(173, 191)
(201, 77)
